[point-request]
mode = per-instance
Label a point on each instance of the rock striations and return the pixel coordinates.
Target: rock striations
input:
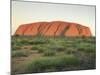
(54, 28)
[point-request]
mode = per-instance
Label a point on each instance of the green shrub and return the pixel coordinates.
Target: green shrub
(90, 50)
(89, 40)
(39, 41)
(39, 48)
(34, 41)
(52, 63)
(70, 50)
(49, 53)
(19, 54)
(16, 47)
(57, 48)
(87, 49)
(25, 42)
(34, 47)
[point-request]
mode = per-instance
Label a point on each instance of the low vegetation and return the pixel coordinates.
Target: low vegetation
(49, 54)
(20, 54)
(59, 63)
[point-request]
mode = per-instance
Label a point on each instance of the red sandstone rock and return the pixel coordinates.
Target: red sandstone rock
(55, 28)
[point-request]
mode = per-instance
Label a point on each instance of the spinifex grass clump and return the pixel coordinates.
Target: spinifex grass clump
(39, 48)
(20, 54)
(56, 63)
(70, 50)
(16, 48)
(58, 48)
(49, 53)
(90, 48)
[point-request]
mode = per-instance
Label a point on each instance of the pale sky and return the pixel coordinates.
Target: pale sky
(29, 12)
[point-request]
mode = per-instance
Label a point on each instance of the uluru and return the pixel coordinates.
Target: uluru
(54, 28)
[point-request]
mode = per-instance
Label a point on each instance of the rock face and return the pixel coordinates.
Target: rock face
(54, 28)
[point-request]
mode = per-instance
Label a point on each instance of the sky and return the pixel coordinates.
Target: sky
(29, 12)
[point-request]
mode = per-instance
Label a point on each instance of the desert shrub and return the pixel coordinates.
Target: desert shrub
(49, 53)
(89, 40)
(15, 42)
(26, 42)
(34, 47)
(19, 54)
(57, 48)
(30, 42)
(40, 41)
(56, 63)
(90, 50)
(39, 48)
(16, 47)
(70, 50)
(87, 49)
(34, 41)
(82, 46)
